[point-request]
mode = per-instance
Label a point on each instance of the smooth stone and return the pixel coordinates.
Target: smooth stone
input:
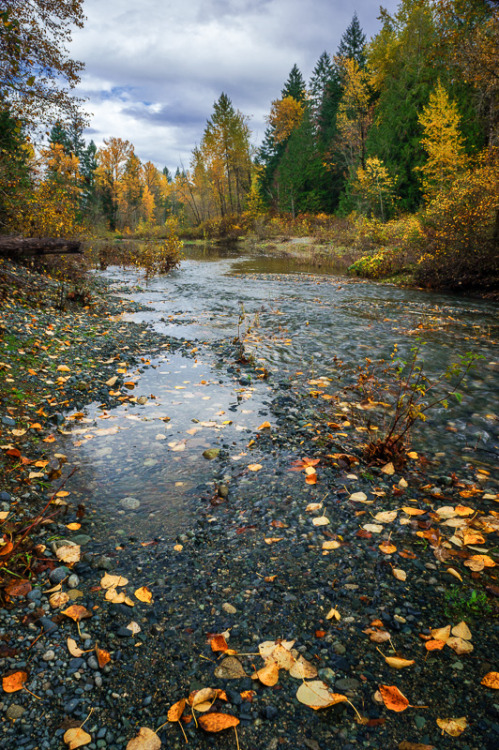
(15, 711)
(47, 624)
(82, 539)
(59, 574)
(73, 581)
(347, 683)
(229, 608)
(130, 503)
(49, 655)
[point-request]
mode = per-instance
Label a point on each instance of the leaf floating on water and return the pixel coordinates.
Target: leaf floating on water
(264, 426)
(373, 528)
(358, 497)
(230, 669)
(491, 680)
(273, 539)
(393, 698)
(11, 683)
(144, 595)
(76, 737)
(313, 506)
(254, 467)
(176, 711)
(217, 722)
(454, 727)
(316, 694)
(413, 511)
(145, 740)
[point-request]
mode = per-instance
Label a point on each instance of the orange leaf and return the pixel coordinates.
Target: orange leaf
(103, 657)
(434, 645)
(176, 711)
(216, 722)
(77, 612)
(491, 680)
(393, 698)
(6, 548)
(269, 674)
(218, 643)
(144, 595)
(387, 548)
(13, 682)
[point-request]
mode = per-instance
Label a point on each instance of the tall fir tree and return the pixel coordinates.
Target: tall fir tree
(353, 43)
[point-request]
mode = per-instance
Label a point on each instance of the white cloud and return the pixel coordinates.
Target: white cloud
(154, 69)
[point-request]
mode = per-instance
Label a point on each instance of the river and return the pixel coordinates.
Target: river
(297, 322)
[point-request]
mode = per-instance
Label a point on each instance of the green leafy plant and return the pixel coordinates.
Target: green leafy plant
(461, 603)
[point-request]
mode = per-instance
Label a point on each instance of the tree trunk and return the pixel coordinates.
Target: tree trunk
(15, 247)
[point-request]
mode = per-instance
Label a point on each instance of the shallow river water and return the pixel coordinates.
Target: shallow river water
(295, 320)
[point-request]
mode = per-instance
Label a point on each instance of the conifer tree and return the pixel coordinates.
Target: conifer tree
(353, 42)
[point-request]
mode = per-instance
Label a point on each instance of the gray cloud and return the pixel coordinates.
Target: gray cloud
(154, 69)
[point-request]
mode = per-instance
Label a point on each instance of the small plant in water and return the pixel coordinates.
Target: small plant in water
(410, 394)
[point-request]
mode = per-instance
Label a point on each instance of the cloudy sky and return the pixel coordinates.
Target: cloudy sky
(154, 68)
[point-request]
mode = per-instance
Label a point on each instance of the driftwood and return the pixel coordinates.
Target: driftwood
(13, 247)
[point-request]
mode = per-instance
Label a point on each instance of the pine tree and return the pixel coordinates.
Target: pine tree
(295, 85)
(353, 42)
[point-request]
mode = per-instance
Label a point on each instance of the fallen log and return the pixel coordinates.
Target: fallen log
(13, 247)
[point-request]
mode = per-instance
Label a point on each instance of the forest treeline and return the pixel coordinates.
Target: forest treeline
(395, 138)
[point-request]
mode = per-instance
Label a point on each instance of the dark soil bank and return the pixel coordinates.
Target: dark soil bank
(265, 555)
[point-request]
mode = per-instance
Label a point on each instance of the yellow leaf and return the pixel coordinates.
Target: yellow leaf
(145, 740)
(76, 737)
(333, 613)
(454, 727)
(254, 467)
(144, 595)
(63, 368)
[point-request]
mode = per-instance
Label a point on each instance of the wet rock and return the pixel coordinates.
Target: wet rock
(15, 711)
(211, 453)
(229, 608)
(130, 503)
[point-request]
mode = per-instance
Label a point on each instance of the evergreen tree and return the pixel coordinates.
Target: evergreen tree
(295, 85)
(353, 42)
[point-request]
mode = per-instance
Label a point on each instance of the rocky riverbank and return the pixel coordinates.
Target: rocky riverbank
(299, 540)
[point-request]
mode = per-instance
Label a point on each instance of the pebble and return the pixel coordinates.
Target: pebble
(130, 503)
(49, 655)
(15, 711)
(229, 608)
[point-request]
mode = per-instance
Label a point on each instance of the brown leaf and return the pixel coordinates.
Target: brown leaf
(393, 698)
(460, 646)
(176, 711)
(230, 669)
(399, 574)
(145, 740)
(77, 612)
(454, 727)
(216, 722)
(13, 682)
(59, 599)
(387, 548)
(462, 631)
(76, 737)
(19, 588)
(68, 553)
(491, 680)
(441, 634)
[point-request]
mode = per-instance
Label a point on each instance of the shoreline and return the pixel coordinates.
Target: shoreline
(252, 563)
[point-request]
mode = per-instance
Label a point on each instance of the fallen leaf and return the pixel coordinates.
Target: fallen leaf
(358, 497)
(460, 646)
(115, 596)
(434, 645)
(321, 521)
(73, 526)
(393, 698)
(462, 631)
(217, 722)
(230, 668)
(388, 469)
(103, 656)
(313, 506)
(269, 674)
(387, 548)
(379, 636)
(333, 544)
(316, 694)
(333, 613)
(254, 467)
(144, 595)
(218, 643)
(414, 746)
(18, 588)
(399, 574)
(134, 627)
(74, 649)
(303, 669)
(397, 662)
(77, 612)
(110, 581)
(202, 699)
(454, 572)
(264, 426)
(145, 740)
(68, 553)
(386, 516)
(479, 562)
(491, 680)
(58, 599)
(441, 634)
(373, 528)
(176, 711)
(273, 539)
(76, 737)
(13, 682)
(454, 727)
(412, 511)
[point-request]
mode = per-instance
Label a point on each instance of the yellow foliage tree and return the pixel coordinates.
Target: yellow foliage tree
(375, 188)
(285, 116)
(442, 142)
(354, 112)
